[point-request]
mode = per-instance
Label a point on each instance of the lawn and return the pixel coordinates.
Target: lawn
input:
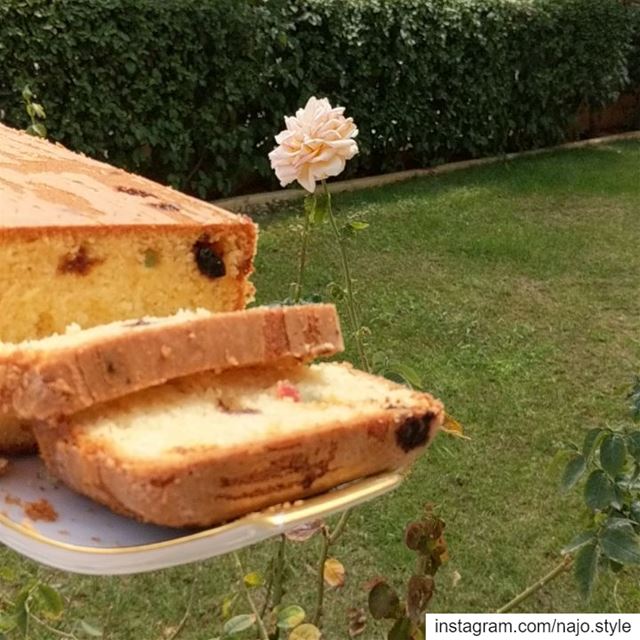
(513, 290)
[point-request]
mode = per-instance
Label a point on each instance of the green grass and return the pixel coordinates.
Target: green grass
(513, 289)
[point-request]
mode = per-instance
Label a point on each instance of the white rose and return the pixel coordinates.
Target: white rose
(316, 144)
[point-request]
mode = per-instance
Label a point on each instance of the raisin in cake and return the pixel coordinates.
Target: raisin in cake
(83, 242)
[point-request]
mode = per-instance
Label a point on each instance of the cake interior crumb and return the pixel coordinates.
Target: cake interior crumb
(40, 510)
(35, 510)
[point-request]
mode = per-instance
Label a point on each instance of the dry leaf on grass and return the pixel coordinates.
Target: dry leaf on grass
(334, 573)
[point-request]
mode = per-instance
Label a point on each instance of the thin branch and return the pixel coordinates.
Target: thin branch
(57, 632)
(268, 588)
(278, 585)
(264, 635)
(303, 257)
(324, 552)
(187, 612)
(563, 567)
(348, 282)
(195, 168)
(340, 527)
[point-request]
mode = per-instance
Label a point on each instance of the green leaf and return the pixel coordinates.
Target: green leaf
(358, 225)
(309, 206)
(321, 210)
(238, 624)
(406, 373)
(253, 580)
(383, 601)
(599, 491)
(226, 607)
(90, 630)
(26, 93)
(335, 291)
(305, 632)
(38, 130)
(22, 620)
(290, 617)
(8, 574)
(579, 541)
(8, 622)
(591, 440)
(401, 630)
(50, 601)
(635, 511)
(586, 568)
(634, 395)
(613, 453)
(38, 110)
(21, 608)
(633, 442)
(618, 495)
(621, 544)
(573, 472)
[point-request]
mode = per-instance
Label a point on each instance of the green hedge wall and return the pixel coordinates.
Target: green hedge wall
(192, 91)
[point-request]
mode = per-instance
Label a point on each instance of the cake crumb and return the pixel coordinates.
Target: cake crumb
(9, 499)
(41, 510)
(4, 466)
(165, 351)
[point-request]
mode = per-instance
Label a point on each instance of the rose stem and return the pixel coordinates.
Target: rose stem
(303, 253)
(264, 635)
(346, 272)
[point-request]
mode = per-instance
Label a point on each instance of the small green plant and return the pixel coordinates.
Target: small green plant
(271, 621)
(609, 458)
(36, 604)
(36, 114)
(425, 538)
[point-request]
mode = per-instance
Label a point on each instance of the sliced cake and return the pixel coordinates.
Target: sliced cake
(210, 447)
(83, 242)
(62, 374)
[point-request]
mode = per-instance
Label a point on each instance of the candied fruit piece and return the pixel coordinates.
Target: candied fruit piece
(285, 390)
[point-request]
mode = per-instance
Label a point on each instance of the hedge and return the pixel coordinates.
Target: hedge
(191, 92)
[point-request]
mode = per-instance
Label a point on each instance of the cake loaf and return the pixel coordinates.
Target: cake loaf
(63, 374)
(83, 242)
(207, 448)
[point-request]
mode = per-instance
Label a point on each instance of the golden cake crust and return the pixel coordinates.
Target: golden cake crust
(46, 186)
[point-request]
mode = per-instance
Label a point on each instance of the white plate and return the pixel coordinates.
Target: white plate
(87, 538)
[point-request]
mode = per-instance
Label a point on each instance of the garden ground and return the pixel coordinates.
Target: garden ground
(514, 291)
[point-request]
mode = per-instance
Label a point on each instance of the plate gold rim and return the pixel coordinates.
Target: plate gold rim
(354, 492)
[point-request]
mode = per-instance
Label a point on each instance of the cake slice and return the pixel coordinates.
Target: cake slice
(65, 373)
(207, 448)
(83, 242)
